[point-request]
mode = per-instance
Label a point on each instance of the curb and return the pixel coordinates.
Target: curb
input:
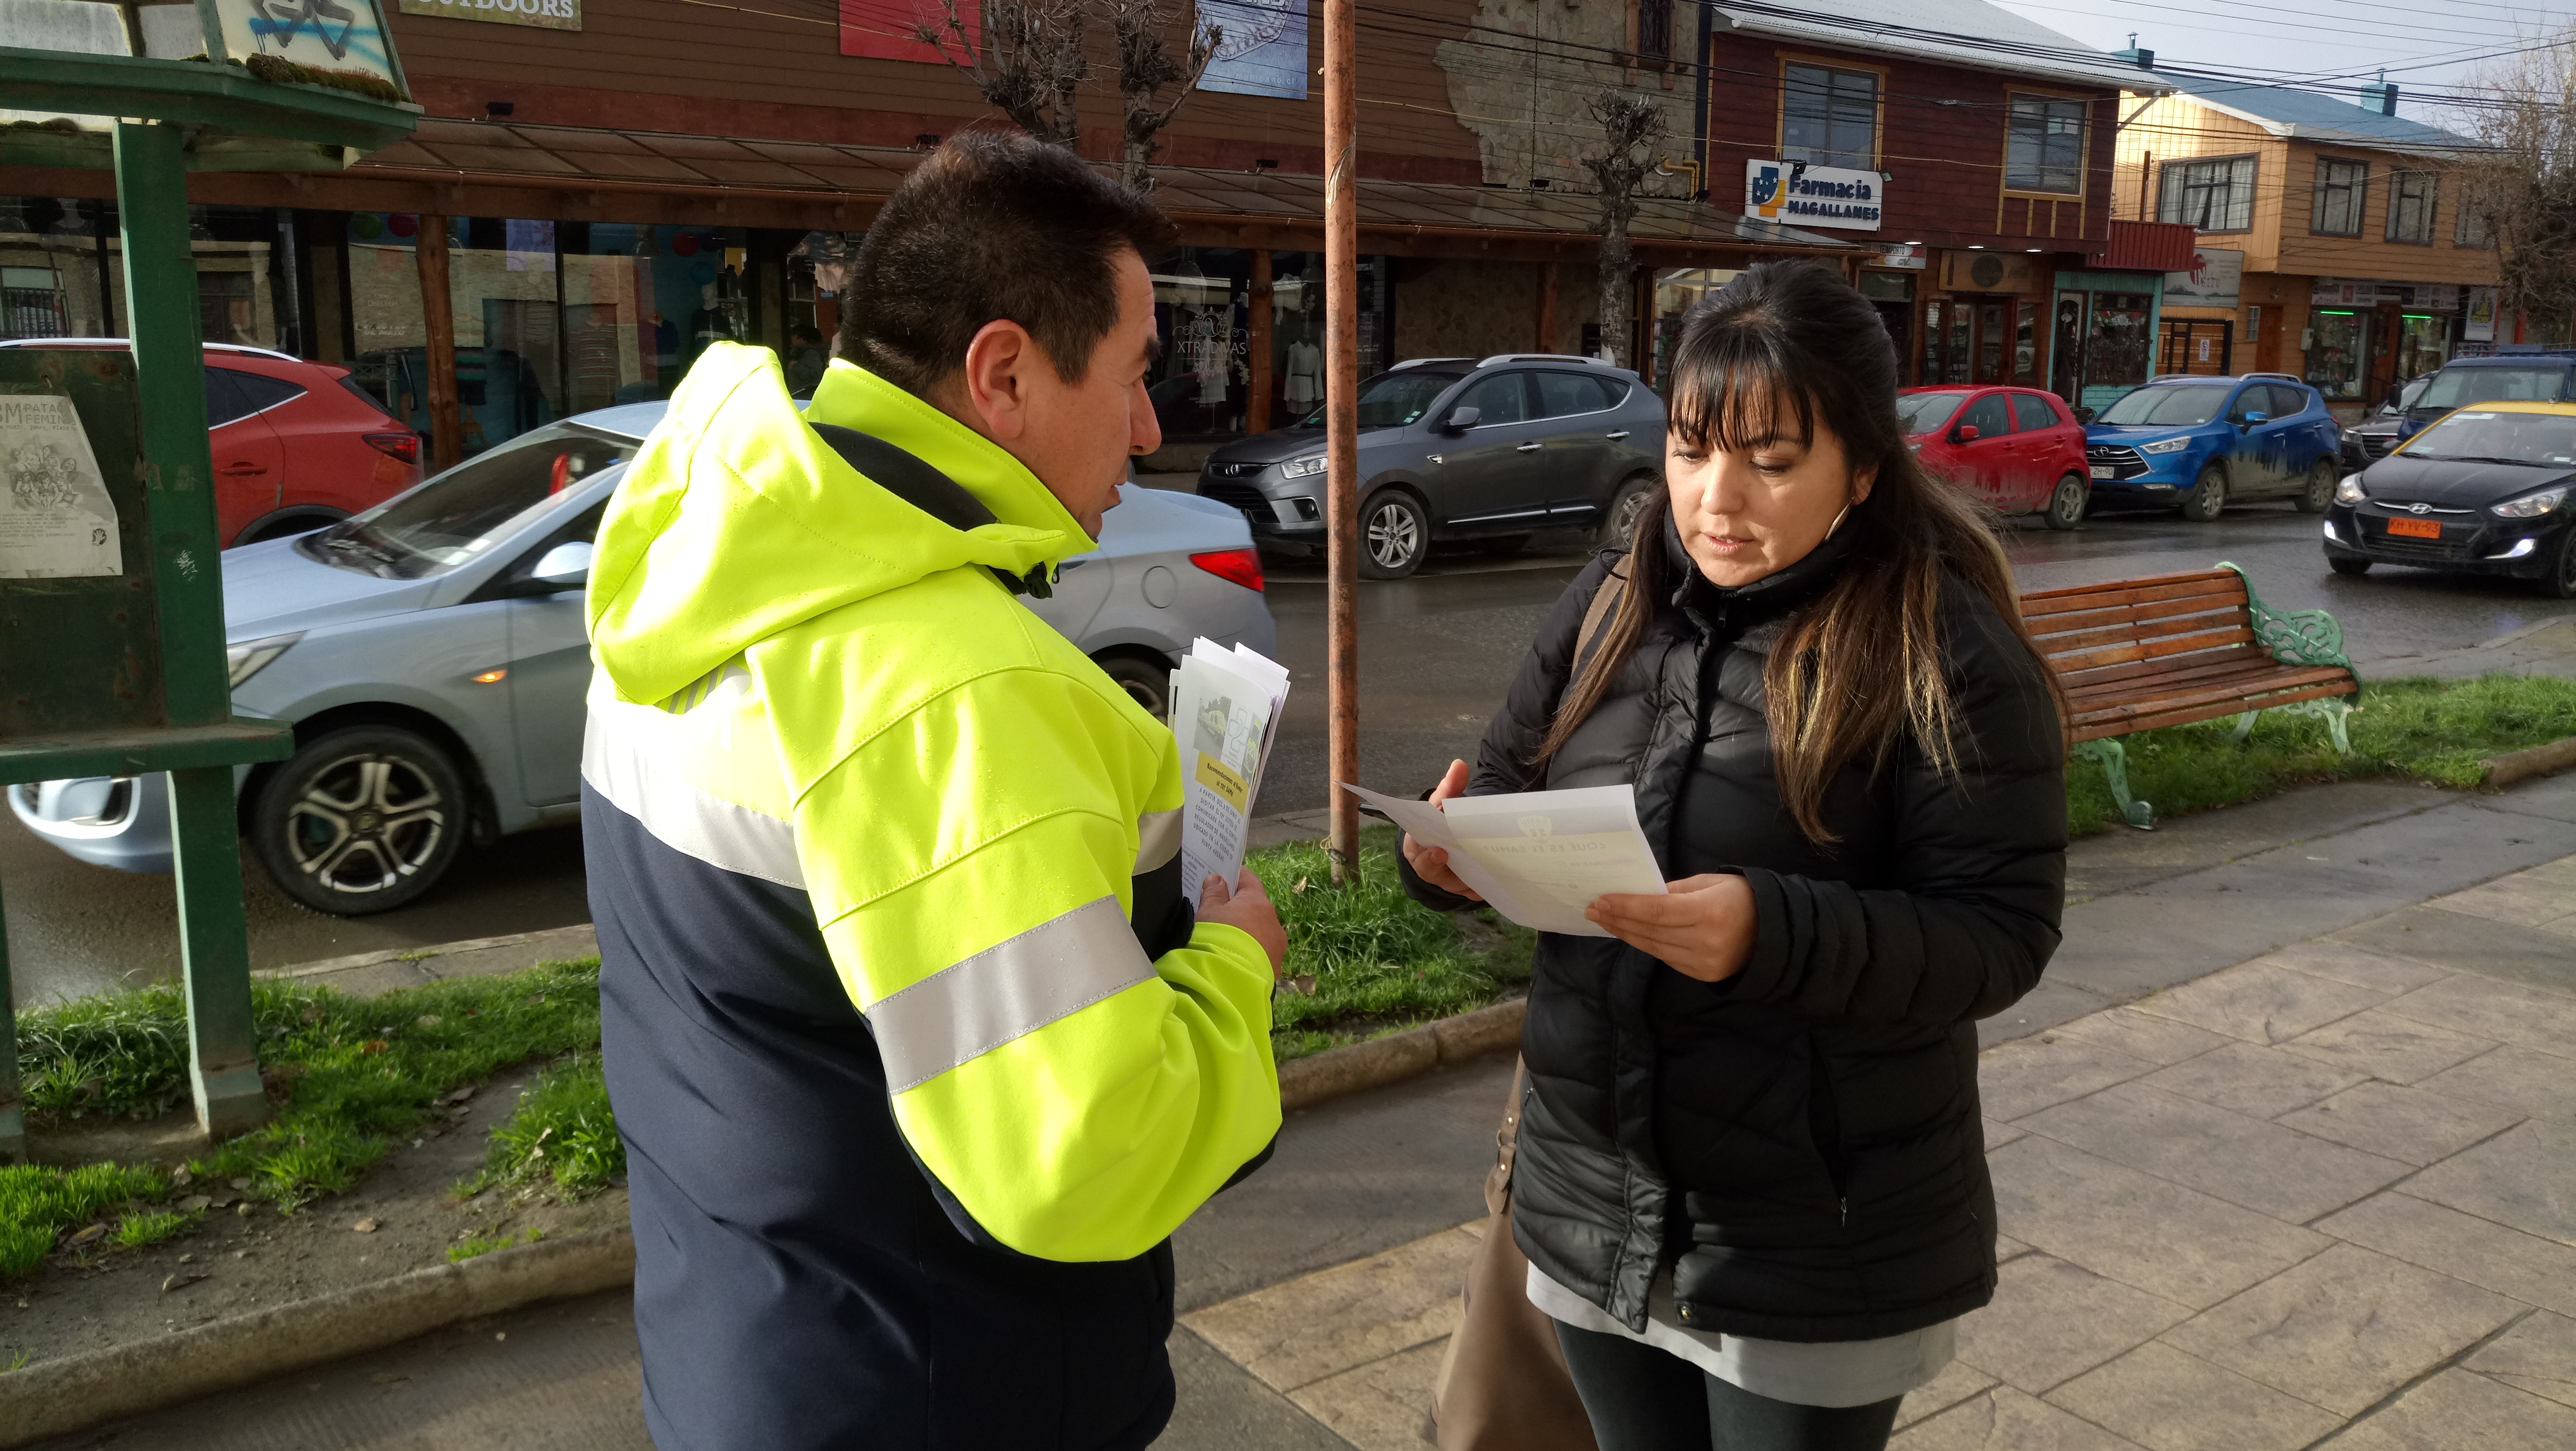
(2514, 766)
(53, 1397)
(1305, 1082)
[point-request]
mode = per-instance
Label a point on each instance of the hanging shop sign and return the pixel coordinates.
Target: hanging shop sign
(2215, 279)
(2479, 327)
(2353, 292)
(1913, 256)
(544, 14)
(1812, 196)
(1260, 50)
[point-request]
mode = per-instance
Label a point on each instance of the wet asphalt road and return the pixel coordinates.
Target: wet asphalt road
(1436, 652)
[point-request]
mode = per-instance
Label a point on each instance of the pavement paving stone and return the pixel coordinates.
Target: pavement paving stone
(1957, 1381)
(2504, 1012)
(2358, 966)
(2538, 1355)
(2144, 1035)
(2167, 1400)
(2051, 1321)
(2262, 1002)
(2247, 1079)
(2143, 1231)
(2526, 1267)
(2463, 943)
(2262, 1166)
(2377, 1043)
(2008, 1248)
(1223, 1407)
(1377, 1406)
(2025, 1077)
(1301, 1331)
(1998, 1135)
(2344, 1329)
(2411, 1125)
(2525, 1080)
(2526, 899)
(2004, 1419)
(2042, 1008)
(2523, 1178)
(2460, 1410)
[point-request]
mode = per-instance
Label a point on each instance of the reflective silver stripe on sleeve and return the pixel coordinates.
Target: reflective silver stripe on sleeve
(1158, 839)
(970, 1008)
(678, 814)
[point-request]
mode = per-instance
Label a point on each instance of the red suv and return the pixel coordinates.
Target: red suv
(2016, 450)
(296, 445)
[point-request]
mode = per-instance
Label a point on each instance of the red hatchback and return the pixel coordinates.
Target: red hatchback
(2015, 450)
(296, 444)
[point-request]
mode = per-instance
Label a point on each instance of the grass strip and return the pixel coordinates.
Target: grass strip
(562, 1132)
(2438, 731)
(463, 1250)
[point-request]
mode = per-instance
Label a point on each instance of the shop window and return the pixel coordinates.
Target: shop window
(1677, 290)
(31, 303)
(2412, 196)
(1201, 387)
(2342, 189)
(1829, 117)
(2117, 346)
(2214, 196)
(2044, 145)
(2026, 344)
(2338, 352)
(2423, 344)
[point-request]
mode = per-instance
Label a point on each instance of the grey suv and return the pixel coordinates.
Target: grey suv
(1453, 448)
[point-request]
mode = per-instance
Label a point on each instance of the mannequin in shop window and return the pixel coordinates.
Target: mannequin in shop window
(1305, 371)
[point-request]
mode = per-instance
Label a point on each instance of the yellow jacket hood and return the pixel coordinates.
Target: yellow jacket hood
(735, 521)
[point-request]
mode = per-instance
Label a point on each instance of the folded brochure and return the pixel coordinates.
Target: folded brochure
(1537, 857)
(1225, 716)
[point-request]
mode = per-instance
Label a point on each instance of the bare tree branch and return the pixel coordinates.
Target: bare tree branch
(1631, 125)
(1030, 63)
(1145, 65)
(2522, 186)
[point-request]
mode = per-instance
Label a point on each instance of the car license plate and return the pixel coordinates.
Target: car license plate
(2415, 528)
(2105, 471)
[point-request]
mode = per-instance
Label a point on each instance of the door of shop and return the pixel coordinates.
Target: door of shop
(1969, 340)
(2197, 345)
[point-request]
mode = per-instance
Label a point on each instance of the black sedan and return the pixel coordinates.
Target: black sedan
(2484, 490)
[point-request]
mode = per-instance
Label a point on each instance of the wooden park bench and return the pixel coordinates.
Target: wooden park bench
(2170, 649)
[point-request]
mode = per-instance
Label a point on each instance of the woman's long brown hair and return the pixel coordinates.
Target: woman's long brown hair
(1785, 349)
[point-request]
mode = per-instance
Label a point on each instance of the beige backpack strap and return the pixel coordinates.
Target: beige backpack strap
(1597, 616)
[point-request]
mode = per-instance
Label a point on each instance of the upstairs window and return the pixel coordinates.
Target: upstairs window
(2411, 199)
(1829, 117)
(2342, 188)
(2214, 196)
(2470, 228)
(2044, 145)
(1654, 28)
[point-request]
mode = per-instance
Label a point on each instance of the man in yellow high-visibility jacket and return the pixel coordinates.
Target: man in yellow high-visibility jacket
(918, 1052)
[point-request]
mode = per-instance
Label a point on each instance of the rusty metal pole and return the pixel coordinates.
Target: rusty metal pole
(438, 325)
(1341, 428)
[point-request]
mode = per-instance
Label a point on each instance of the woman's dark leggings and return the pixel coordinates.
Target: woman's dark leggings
(1644, 1399)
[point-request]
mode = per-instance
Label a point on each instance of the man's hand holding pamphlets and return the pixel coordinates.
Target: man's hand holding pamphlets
(1537, 857)
(1225, 714)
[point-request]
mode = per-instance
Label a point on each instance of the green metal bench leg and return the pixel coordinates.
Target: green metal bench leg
(223, 1043)
(2337, 714)
(13, 1122)
(2115, 765)
(2245, 726)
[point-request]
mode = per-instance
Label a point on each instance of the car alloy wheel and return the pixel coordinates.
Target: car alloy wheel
(362, 820)
(1147, 682)
(1393, 535)
(2208, 496)
(2067, 505)
(1619, 526)
(2561, 579)
(2319, 490)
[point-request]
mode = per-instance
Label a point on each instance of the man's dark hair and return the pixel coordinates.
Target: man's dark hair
(993, 225)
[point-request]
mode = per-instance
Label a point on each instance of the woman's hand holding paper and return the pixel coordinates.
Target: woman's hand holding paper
(1430, 862)
(1701, 927)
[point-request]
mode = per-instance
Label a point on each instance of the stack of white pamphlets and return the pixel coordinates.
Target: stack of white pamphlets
(1225, 714)
(1537, 857)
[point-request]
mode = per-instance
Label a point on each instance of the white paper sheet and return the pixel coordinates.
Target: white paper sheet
(1538, 857)
(56, 520)
(1225, 716)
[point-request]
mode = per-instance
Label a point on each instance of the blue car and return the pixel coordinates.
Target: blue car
(2198, 444)
(2523, 375)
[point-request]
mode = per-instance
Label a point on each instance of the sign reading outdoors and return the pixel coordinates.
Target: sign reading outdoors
(545, 14)
(2214, 279)
(1812, 196)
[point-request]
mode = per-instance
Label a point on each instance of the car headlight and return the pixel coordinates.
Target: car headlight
(2166, 445)
(2350, 491)
(1298, 468)
(2531, 506)
(252, 656)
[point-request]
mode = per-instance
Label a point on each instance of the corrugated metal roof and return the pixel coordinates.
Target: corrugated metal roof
(2310, 116)
(1968, 33)
(500, 151)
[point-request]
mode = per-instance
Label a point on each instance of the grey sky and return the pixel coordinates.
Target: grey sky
(2424, 44)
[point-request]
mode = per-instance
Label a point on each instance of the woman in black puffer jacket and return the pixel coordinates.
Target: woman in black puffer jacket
(1751, 1180)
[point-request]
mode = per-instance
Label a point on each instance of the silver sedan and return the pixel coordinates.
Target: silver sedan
(432, 657)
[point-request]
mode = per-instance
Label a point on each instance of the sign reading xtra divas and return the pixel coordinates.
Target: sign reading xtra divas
(1812, 196)
(547, 14)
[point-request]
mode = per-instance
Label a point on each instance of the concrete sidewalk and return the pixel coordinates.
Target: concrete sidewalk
(2330, 1192)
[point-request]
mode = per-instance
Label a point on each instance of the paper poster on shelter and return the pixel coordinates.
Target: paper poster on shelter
(56, 520)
